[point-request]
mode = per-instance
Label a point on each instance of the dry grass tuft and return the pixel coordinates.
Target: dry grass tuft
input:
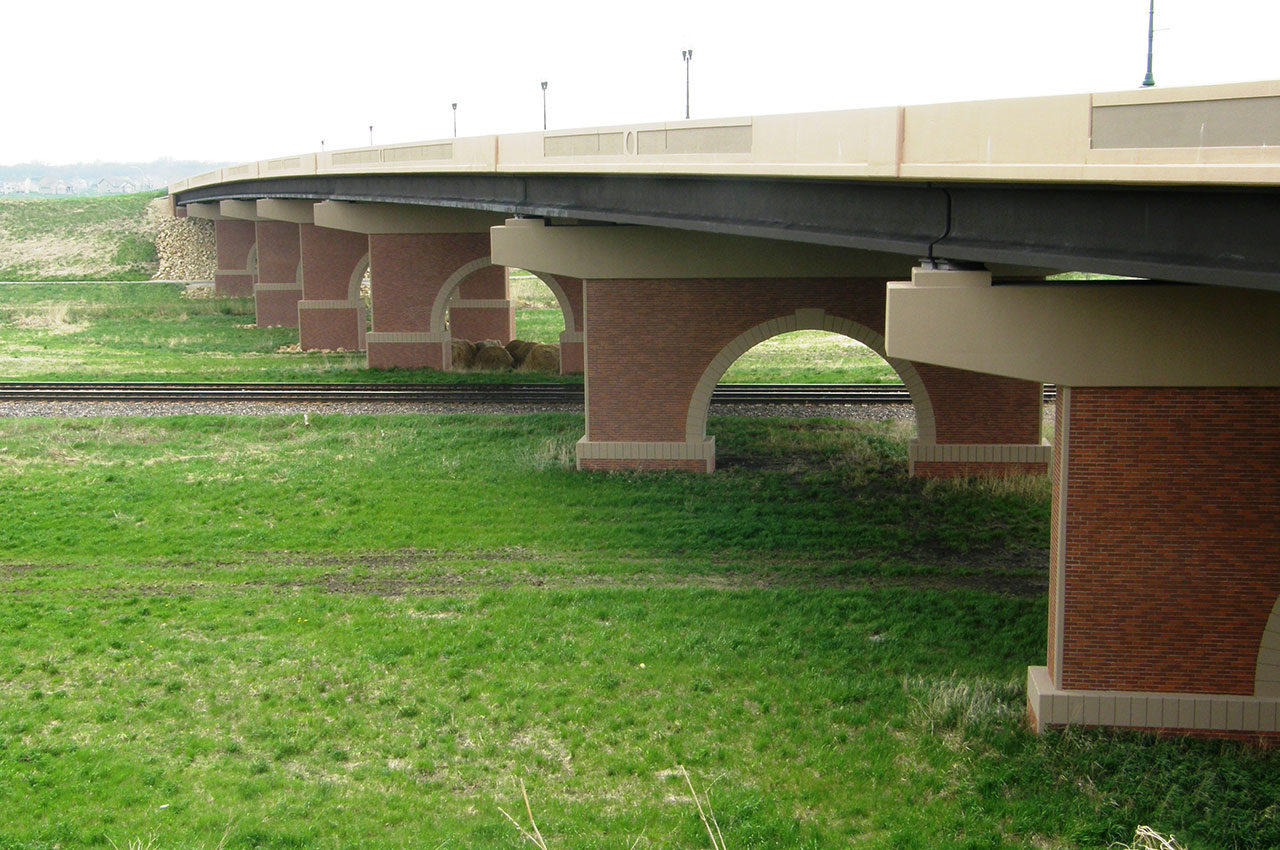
(962, 704)
(554, 454)
(57, 318)
(1146, 838)
(1034, 487)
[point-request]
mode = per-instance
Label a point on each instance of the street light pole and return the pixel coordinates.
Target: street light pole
(370, 135)
(544, 104)
(1151, 34)
(688, 55)
(455, 120)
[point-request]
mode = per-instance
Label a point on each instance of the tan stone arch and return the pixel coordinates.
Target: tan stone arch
(357, 275)
(441, 303)
(801, 320)
(1266, 682)
(562, 299)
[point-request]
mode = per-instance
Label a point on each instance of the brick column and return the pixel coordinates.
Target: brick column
(234, 246)
(409, 272)
(331, 314)
(1165, 562)
(278, 289)
(656, 348)
(482, 309)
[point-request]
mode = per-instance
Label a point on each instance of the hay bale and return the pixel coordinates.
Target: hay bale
(493, 357)
(519, 349)
(464, 353)
(543, 358)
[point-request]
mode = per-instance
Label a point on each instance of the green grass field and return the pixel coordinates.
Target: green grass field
(152, 332)
(367, 631)
(284, 632)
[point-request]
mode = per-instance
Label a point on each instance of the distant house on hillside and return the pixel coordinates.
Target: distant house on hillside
(117, 186)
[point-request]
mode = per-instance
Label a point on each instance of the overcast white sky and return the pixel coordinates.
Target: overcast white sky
(233, 80)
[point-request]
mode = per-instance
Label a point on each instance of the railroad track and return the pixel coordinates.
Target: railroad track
(433, 393)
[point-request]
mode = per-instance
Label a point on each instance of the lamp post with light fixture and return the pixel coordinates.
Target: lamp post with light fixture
(1149, 80)
(687, 55)
(544, 104)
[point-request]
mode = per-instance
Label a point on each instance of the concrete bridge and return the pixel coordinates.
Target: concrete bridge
(926, 232)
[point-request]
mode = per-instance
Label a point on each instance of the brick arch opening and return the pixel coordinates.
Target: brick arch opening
(357, 276)
(802, 320)
(1266, 681)
(562, 299)
(355, 296)
(441, 304)
(251, 261)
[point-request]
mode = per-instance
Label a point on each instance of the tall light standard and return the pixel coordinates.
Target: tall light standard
(455, 120)
(1151, 33)
(544, 104)
(688, 55)
(370, 135)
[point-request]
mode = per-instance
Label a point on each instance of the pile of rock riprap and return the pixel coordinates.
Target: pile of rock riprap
(519, 354)
(184, 246)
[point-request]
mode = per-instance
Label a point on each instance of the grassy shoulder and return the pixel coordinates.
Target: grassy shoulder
(82, 238)
(149, 331)
(289, 632)
(155, 332)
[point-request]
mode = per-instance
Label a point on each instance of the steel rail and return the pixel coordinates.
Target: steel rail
(431, 393)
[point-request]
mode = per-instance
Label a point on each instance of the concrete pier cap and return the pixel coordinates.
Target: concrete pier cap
(1072, 333)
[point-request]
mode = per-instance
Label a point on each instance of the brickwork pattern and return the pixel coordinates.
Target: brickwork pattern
(1172, 504)
(235, 241)
(278, 255)
(572, 348)
(330, 262)
(650, 341)
(1055, 538)
(279, 249)
(477, 323)
(408, 270)
(330, 329)
(329, 259)
(967, 406)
